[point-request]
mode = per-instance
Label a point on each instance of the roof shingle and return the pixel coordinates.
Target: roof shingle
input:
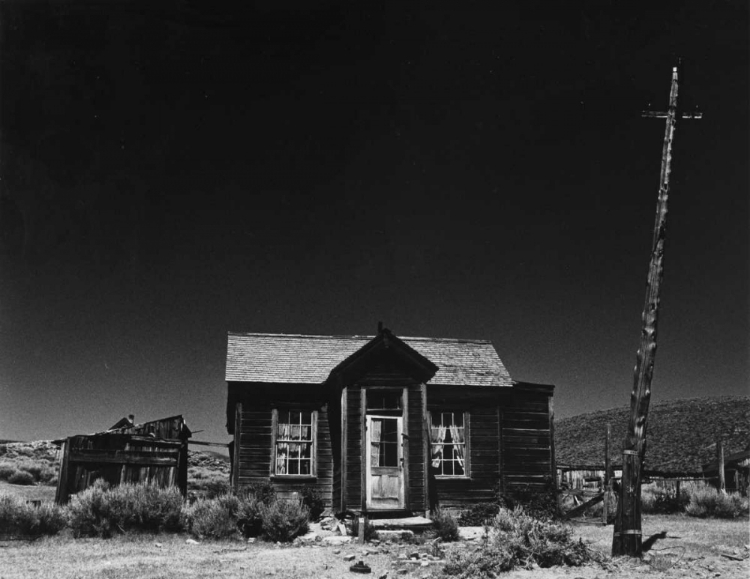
(300, 359)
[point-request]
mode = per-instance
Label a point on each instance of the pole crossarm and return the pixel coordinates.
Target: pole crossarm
(697, 115)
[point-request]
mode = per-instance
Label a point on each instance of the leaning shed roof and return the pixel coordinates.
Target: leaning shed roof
(681, 435)
(299, 359)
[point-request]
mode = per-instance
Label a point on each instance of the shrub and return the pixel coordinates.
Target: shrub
(540, 503)
(520, 540)
(101, 511)
(708, 502)
(313, 500)
(446, 526)
(663, 501)
(19, 518)
(214, 518)
(21, 477)
(34, 468)
(264, 492)
(6, 469)
(284, 520)
(479, 514)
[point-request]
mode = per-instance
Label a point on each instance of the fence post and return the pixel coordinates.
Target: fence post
(720, 457)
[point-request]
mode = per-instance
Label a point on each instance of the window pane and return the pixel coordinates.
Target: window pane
(448, 443)
(294, 442)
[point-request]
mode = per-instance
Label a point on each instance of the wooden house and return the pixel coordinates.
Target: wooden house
(154, 452)
(384, 423)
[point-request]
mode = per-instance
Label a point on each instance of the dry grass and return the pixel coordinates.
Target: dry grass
(30, 493)
(698, 537)
(169, 556)
(694, 554)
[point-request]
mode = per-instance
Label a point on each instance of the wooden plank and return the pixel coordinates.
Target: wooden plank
(580, 508)
(120, 458)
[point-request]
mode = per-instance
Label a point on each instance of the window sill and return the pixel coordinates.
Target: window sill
(449, 477)
(293, 477)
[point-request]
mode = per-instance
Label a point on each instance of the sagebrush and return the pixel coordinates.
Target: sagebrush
(102, 512)
(708, 502)
(284, 520)
(19, 518)
(518, 539)
(446, 527)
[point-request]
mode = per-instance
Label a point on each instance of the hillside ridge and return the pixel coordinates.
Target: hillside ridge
(681, 434)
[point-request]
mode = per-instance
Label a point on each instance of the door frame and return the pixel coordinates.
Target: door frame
(401, 461)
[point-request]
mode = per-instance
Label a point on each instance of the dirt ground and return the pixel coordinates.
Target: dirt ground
(693, 548)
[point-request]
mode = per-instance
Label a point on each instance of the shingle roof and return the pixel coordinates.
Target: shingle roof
(300, 359)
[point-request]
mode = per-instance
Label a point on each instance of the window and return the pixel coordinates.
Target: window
(448, 443)
(294, 443)
(384, 442)
(384, 402)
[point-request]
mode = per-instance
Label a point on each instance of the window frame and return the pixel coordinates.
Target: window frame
(467, 442)
(313, 451)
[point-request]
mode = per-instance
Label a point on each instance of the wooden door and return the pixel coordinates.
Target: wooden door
(385, 463)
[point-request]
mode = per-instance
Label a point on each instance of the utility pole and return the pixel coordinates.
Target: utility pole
(627, 533)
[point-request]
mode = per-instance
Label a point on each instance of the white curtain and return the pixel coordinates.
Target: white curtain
(437, 437)
(375, 430)
(459, 448)
(282, 450)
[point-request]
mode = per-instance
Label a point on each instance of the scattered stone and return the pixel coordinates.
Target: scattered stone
(402, 556)
(402, 571)
(425, 563)
(251, 540)
(337, 551)
(192, 542)
(336, 540)
(414, 555)
(158, 545)
(349, 557)
(383, 575)
(342, 529)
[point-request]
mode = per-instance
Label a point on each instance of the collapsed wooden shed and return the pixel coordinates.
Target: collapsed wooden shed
(154, 452)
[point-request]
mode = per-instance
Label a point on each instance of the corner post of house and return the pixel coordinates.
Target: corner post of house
(553, 462)
(363, 430)
(426, 451)
(344, 447)
(61, 497)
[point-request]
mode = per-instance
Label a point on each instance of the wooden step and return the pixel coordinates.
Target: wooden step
(410, 523)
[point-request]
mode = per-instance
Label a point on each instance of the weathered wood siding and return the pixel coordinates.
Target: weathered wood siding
(415, 456)
(253, 432)
(481, 404)
(526, 439)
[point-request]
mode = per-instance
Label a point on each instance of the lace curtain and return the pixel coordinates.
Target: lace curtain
(459, 448)
(437, 437)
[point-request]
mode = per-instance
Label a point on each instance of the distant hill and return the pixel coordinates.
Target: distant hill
(681, 435)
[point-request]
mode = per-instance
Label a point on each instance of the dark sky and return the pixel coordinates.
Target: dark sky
(170, 171)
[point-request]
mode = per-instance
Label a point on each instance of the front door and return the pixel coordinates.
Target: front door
(385, 462)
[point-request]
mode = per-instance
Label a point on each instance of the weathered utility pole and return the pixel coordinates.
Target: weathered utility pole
(627, 533)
